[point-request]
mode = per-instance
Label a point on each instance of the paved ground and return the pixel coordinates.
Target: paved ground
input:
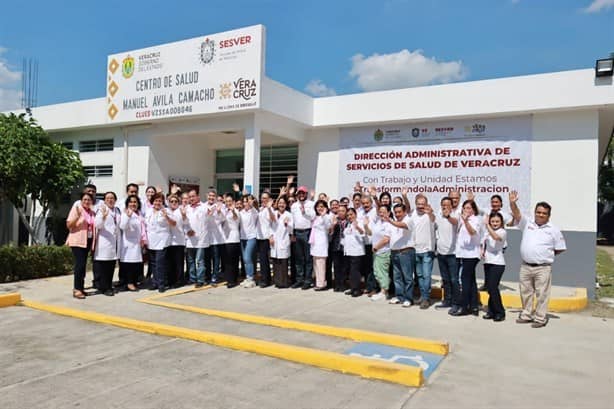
(47, 361)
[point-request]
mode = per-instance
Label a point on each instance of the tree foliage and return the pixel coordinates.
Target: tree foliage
(32, 166)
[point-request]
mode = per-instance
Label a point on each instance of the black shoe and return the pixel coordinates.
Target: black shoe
(320, 288)
(153, 288)
(264, 285)
(231, 285)
(475, 311)
(109, 293)
(453, 310)
(298, 284)
(338, 290)
(483, 288)
(499, 318)
(199, 285)
(306, 286)
(161, 289)
(488, 316)
(460, 312)
(356, 293)
(444, 304)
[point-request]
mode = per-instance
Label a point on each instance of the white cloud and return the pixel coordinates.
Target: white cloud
(10, 95)
(319, 89)
(598, 5)
(402, 70)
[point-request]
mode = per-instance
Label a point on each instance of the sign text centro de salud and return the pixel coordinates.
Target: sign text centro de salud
(215, 73)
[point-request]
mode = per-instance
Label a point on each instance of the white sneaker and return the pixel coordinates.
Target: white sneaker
(394, 300)
(249, 283)
(406, 304)
(378, 296)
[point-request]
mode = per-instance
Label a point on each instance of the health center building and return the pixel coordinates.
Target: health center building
(202, 113)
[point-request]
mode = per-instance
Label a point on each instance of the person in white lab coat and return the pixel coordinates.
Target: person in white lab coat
(318, 241)
(176, 249)
(282, 227)
(133, 241)
(232, 245)
(158, 221)
(106, 252)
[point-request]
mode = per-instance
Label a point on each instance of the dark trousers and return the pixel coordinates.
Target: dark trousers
(354, 264)
(340, 268)
(129, 273)
(329, 267)
(469, 292)
(367, 270)
(448, 268)
(157, 264)
(264, 248)
(302, 255)
(292, 263)
(281, 278)
(213, 262)
(176, 255)
(80, 255)
(232, 253)
(494, 272)
(104, 269)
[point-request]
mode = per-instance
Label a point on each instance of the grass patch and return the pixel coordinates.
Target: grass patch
(605, 274)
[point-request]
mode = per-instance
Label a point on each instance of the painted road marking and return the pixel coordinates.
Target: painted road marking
(366, 368)
(426, 361)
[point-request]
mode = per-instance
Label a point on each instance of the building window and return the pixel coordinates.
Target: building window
(98, 171)
(276, 163)
(96, 146)
(68, 145)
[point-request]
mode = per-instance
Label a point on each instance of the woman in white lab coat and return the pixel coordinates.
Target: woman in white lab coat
(282, 227)
(232, 242)
(318, 240)
(176, 248)
(133, 241)
(106, 252)
(354, 251)
(158, 221)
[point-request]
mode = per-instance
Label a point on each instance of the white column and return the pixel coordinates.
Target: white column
(251, 159)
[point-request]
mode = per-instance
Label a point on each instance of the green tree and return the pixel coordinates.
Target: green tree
(33, 167)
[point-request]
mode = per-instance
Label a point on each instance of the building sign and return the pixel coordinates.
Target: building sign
(487, 157)
(213, 73)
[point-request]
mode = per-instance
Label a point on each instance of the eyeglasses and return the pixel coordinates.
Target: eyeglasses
(174, 201)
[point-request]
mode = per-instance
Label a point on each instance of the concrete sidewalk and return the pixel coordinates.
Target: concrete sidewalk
(53, 361)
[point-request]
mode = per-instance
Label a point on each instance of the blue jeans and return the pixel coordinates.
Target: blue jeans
(196, 264)
(424, 269)
(448, 268)
(403, 274)
(248, 249)
(302, 256)
(213, 255)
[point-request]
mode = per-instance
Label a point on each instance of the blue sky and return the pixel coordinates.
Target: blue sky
(318, 47)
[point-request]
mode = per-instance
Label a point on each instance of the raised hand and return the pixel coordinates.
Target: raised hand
(235, 187)
(372, 191)
(312, 194)
(183, 211)
(175, 188)
(470, 195)
(404, 191)
(358, 187)
(290, 180)
(513, 196)
(428, 209)
(291, 191)
(79, 210)
(129, 212)
(105, 211)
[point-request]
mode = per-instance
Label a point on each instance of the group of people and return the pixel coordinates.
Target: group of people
(371, 244)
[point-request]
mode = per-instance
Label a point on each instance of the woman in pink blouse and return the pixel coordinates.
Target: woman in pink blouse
(81, 239)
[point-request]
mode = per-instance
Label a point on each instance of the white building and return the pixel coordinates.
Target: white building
(543, 135)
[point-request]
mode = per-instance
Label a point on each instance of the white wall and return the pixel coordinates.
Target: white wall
(564, 167)
(318, 161)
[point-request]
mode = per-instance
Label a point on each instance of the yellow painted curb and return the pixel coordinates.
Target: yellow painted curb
(7, 300)
(436, 347)
(366, 368)
(562, 304)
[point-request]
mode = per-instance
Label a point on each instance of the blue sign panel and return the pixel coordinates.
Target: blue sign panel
(427, 361)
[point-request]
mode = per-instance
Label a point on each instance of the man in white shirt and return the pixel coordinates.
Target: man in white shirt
(369, 212)
(196, 240)
(541, 242)
(445, 233)
(303, 213)
(403, 256)
(424, 238)
(214, 217)
(264, 233)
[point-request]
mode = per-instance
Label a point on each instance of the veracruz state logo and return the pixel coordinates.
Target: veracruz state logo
(378, 135)
(207, 51)
(128, 67)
